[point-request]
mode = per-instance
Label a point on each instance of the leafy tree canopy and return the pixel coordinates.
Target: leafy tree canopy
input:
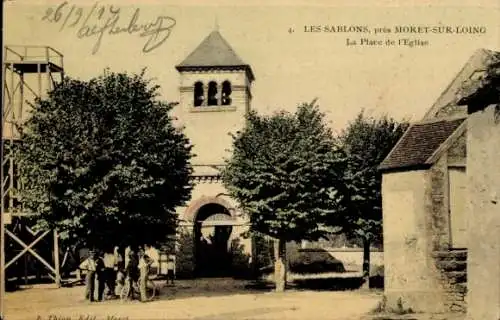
(282, 171)
(102, 162)
(366, 141)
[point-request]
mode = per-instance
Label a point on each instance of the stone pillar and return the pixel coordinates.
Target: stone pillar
(205, 95)
(483, 174)
(219, 94)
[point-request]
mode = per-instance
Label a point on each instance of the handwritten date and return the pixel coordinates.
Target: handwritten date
(101, 20)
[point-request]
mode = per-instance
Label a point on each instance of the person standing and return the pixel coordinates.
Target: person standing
(144, 265)
(101, 276)
(110, 273)
(119, 270)
(132, 271)
(94, 267)
(127, 255)
(170, 270)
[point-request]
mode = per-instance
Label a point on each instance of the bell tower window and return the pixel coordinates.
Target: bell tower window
(226, 93)
(199, 95)
(212, 93)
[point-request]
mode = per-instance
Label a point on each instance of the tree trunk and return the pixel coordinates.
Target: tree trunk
(280, 264)
(366, 263)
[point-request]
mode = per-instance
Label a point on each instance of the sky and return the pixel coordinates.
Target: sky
(289, 67)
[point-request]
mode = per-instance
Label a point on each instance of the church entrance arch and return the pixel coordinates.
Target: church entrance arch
(212, 228)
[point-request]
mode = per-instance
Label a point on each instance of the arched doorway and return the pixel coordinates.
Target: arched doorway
(212, 231)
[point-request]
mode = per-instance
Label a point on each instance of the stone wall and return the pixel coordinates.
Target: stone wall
(450, 265)
(453, 274)
(458, 151)
(352, 259)
(411, 276)
(437, 206)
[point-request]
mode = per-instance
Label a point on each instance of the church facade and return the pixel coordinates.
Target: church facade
(215, 94)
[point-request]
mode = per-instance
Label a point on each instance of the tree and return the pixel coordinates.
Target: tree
(484, 90)
(366, 142)
(101, 161)
(282, 171)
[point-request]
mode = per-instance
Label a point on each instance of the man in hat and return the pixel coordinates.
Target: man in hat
(94, 267)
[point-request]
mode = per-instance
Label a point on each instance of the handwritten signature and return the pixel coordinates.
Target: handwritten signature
(103, 20)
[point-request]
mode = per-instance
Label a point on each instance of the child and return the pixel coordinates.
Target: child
(94, 267)
(170, 269)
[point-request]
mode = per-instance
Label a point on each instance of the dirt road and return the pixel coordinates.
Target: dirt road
(195, 299)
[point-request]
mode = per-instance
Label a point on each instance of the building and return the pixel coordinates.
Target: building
(429, 190)
(483, 184)
(215, 94)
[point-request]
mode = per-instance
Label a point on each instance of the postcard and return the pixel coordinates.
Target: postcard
(168, 160)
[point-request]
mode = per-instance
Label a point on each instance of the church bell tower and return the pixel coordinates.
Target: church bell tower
(215, 95)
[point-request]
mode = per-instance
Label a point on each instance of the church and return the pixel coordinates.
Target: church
(215, 94)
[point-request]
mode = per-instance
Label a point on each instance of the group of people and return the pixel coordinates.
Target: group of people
(110, 270)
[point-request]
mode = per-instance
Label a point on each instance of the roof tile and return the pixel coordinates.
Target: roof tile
(211, 52)
(418, 144)
(214, 52)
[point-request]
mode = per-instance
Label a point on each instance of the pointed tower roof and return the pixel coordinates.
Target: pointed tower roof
(214, 53)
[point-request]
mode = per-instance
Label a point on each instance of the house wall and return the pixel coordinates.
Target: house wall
(458, 207)
(457, 175)
(483, 174)
(449, 265)
(437, 205)
(411, 276)
(440, 223)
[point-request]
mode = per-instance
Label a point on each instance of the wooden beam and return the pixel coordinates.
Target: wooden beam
(56, 259)
(25, 269)
(28, 248)
(65, 257)
(33, 233)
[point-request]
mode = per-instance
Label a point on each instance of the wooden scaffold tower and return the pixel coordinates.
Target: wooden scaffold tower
(29, 72)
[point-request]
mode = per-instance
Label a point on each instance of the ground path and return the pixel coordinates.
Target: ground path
(204, 299)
